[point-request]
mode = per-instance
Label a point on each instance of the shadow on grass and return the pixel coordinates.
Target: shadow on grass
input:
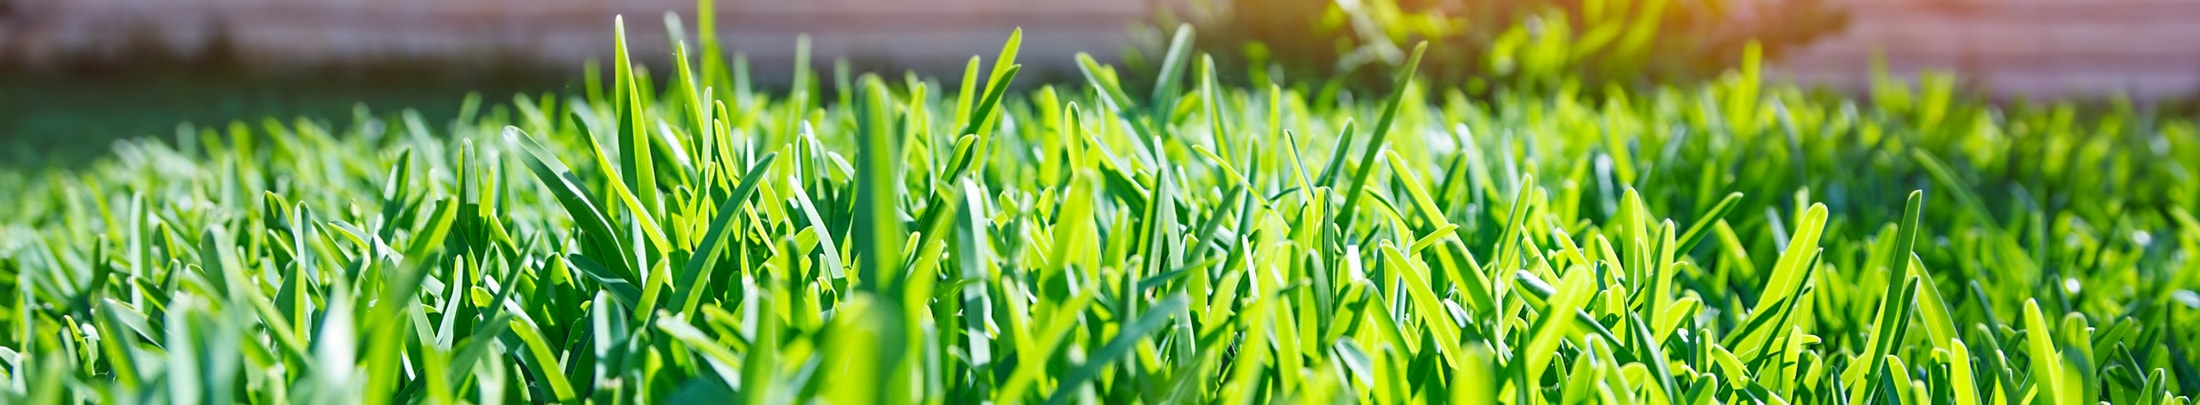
(66, 122)
(66, 110)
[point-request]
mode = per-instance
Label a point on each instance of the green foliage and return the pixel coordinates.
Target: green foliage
(1536, 45)
(912, 244)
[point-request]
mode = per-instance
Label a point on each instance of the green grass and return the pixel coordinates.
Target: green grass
(1730, 242)
(65, 119)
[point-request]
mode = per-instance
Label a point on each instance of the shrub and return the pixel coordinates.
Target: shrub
(1536, 45)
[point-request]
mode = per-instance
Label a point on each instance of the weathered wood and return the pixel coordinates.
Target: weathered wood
(2146, 49)
(2038, 48)
(935, 34)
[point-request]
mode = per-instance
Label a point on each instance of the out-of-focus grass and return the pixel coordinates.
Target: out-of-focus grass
(70, 113)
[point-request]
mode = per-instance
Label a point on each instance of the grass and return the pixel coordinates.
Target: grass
(1731, 242)
(63, 119)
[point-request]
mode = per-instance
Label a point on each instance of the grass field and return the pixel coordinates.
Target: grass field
(913, 240)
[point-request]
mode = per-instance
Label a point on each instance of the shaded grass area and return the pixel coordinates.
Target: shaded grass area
(67, 119)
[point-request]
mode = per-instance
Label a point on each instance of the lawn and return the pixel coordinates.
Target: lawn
(903, 239)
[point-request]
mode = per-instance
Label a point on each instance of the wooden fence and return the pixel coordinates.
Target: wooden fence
(2147, 49)
(2044, 48)
(916, 34)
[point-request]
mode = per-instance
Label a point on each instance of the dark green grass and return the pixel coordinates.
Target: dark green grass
(66, 117)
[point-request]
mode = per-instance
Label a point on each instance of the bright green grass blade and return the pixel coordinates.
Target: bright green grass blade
(969, 94)
(1573, 291)
(1376, 137)
(1787, 271)
(1434, 317)
(1887, 331)
(543, 364)
(760, 364)
(1907, 237)
(1422, 202)
(1165, 92)
(1931, 308)
(978, 122)
(1961, 379)
(722, 362)
(686, 292)
(1130, 334)
(1102, 79)
(1052, 337)
(878, 228)
(1697, 231)
(974, 251)
(335, 350)
(1653, 355)
(689, 85)
(1004, 72)
(1212, 101)
(2047, 371)
(834, 266)
(562, 182)
(635, 160)
(1336, 156)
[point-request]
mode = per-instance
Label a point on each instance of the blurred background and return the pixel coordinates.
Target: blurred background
(76, 74)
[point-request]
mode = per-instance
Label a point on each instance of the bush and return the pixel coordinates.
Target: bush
(1536, 45)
